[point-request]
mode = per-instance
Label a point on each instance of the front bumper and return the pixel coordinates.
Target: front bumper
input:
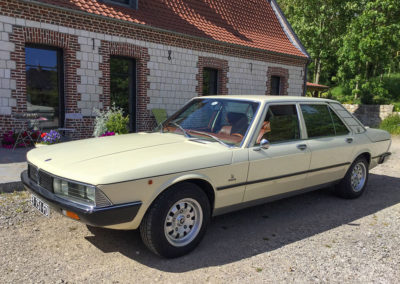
(99, 217)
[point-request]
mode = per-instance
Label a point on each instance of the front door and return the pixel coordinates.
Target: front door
(123, 87)
(283, 166)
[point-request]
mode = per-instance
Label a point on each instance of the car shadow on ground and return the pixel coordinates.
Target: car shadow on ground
(260, 229)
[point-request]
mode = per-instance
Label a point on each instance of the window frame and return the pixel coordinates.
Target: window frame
(330, 109)
(61, 77)
(132, 3)
(253, 141)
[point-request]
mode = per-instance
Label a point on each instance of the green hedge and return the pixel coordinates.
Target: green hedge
(391, 124)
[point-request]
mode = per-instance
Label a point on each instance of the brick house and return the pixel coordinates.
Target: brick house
(62, 59)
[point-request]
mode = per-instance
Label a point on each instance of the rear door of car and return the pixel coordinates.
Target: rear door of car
(283, 166)
(330, 141)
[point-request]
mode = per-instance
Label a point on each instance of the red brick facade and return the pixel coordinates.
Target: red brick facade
(215, 63)
(21, 35)
(283, 73)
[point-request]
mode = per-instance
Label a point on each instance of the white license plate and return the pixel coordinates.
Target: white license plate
(40, 205)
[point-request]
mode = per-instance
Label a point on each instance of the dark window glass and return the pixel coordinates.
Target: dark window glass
(131, 3)
(340, 128)
(43, 86)
(280, 124)
(318, 120)
(210, 82)
(275, 85)
(122, 87)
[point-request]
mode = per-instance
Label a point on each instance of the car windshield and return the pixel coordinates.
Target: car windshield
(219, 120)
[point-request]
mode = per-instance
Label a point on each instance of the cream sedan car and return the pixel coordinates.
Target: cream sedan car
(215, 155)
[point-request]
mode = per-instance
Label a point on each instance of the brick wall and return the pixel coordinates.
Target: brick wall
(168, 64)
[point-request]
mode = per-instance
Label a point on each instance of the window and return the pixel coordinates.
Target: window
(123, 87)
(340, 128)
(44, 84)
(275, 85)
(210, 82)
(321, 121)
(130, 3)
(281, 124)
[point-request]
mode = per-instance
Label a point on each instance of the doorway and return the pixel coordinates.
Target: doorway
(123, 87)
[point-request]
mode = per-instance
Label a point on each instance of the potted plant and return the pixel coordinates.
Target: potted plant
(49, 138)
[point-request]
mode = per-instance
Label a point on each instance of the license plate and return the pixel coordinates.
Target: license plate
(40, 205)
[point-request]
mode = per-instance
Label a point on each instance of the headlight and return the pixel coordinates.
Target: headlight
(80, 193)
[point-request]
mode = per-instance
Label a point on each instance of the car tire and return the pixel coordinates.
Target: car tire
(176, 221)
(355, 181)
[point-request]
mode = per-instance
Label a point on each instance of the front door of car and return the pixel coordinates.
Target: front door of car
(330, 141)
(283, 166)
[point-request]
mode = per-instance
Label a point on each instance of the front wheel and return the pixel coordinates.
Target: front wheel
(355, 181)
(177, 220)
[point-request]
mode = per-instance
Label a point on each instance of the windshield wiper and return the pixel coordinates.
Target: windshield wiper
(177, 125)
(211, 136)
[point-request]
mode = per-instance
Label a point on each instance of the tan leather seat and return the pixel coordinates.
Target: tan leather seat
(238, 124)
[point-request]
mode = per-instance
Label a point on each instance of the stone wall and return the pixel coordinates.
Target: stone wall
(370, 115)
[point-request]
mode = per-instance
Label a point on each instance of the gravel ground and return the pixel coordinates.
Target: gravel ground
(315, 237)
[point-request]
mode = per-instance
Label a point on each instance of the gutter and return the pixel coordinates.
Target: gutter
(151, 28)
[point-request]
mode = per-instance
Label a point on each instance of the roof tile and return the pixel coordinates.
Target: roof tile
(243, 22)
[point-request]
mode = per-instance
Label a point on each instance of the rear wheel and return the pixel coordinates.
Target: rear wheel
(177, 220)
(355, 181)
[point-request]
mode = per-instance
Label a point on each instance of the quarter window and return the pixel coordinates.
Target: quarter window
(281, 124)
(321, 121)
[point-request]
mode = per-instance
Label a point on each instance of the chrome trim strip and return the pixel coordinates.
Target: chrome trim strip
(280, 177)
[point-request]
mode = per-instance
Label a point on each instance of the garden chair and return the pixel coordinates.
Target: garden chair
(28, 123)
(160, 115)
(66, 133)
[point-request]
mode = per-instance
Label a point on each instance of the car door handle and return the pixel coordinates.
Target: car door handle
(349, 140)
(302, 147)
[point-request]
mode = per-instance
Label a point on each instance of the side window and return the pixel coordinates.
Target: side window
(321, 121)
(281, 124)
(340, 128)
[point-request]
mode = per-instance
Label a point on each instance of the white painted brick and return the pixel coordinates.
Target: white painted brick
(8, 20)
(10, 64)
(63, 30)
(81, 88)
(5, 93)
(99, 89)
(83, 40)
(5, 110)
(13, 84)
(86, 112)
(1, 27)
(91, 89)
(85, 97)
(4, 36)
(94, 98)
(4, 55)
(7, 46)
(4, 102)
(12, 102)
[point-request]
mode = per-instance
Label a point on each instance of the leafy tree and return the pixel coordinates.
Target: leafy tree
(319, 25)
(369, 46)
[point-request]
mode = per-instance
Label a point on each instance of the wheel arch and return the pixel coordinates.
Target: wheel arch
(201, 181)
(366, 154)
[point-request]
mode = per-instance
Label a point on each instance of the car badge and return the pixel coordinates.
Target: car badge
(48, 160)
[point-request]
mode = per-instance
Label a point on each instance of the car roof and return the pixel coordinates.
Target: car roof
(270, 99)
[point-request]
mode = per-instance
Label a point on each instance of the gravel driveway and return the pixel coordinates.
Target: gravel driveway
(315, 237)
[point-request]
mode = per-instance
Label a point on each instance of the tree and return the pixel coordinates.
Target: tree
(369, 46)
(319, 25)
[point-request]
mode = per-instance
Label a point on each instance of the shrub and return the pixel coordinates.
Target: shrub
(112, 120)
(391, 124)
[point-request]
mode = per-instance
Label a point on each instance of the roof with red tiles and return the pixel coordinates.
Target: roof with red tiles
(250, 23)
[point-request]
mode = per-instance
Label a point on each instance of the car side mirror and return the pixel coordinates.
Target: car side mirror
(264, 144)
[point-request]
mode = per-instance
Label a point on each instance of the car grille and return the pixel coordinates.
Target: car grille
(45, 180)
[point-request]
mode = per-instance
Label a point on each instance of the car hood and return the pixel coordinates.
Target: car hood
(127, 157)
